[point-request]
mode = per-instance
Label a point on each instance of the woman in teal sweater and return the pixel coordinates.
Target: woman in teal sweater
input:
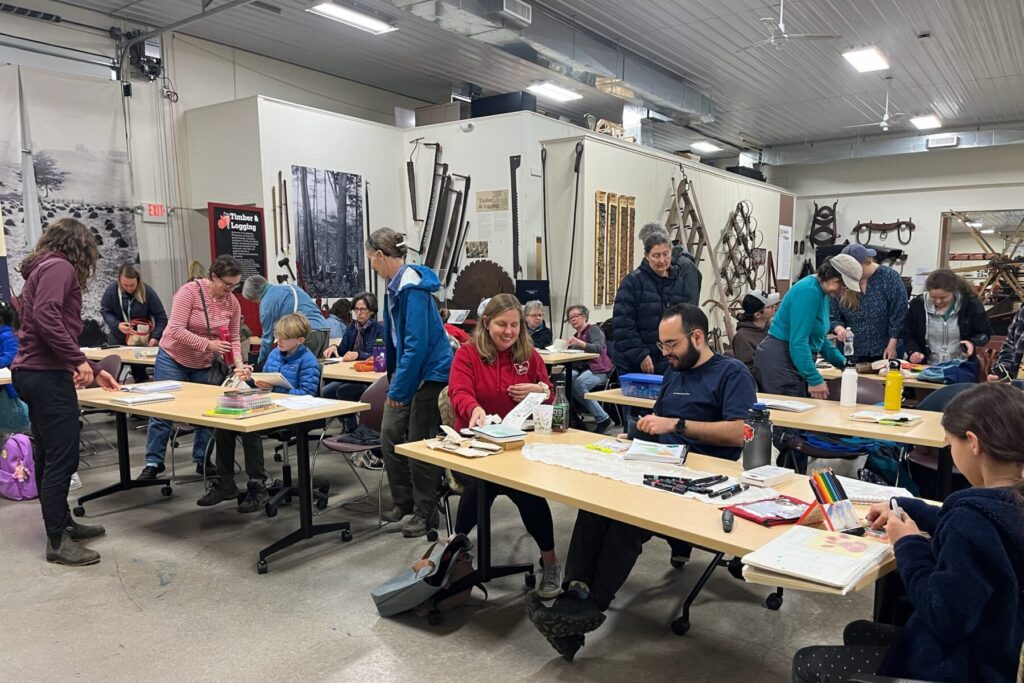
(785, 359)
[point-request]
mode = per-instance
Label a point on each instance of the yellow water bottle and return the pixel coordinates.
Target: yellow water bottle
(894, 386)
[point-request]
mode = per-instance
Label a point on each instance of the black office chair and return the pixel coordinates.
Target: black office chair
(111, 364)
(932, 468)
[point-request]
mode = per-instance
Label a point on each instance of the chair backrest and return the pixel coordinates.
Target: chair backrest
(936, 401)
(444, 405)
(376, 394)
(111, 364)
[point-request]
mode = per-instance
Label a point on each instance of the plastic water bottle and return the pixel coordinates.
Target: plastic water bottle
(380, 356)
(757, 437)
(848, 387)
(893, 386)
(225, 336)
(848, 344)
(560, 412)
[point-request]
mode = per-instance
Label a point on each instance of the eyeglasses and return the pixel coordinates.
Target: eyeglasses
(232, 286)
(575, 316)
(360, 309)
(668, 346)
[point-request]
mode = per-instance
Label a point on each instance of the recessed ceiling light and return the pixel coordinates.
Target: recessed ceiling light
(706, 147)
(354, 18)
(867, 59)
(926, 122)
(554, 92)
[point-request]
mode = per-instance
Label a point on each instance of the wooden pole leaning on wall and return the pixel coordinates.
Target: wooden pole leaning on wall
(540, 259)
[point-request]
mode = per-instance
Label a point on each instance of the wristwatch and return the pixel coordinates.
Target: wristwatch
(680, 428)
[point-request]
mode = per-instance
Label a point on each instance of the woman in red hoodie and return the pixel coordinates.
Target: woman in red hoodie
(47, 370)
(489, 377)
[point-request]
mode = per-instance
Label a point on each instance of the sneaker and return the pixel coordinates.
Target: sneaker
(601, 428)
(76, 481)
(680, 553)
(217, 493)
(550, 581)
(570, 615)
(255, 497)
(150, 471)
(83, 532)
(418, 525)
(208, 469)
(70, 554)
(396, 514)
(568, 646)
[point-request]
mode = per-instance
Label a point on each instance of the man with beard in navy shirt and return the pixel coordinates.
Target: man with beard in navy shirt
(703, 402)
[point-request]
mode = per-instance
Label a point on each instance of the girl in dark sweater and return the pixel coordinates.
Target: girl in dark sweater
(965, 581)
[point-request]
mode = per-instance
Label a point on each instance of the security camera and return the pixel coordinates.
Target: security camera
(467, 127)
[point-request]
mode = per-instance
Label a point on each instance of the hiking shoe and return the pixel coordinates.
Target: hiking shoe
(601, 428)
(206, 469)
(570, 615)
(255, 497)
(70, 554)
(418, 525)
(550, 581)
(396, 514)
(218, 493)
(76, 481)
(149, 472)
(568, 646)
(83, 532)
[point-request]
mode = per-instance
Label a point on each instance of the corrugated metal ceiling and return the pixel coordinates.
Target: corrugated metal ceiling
(969, 72)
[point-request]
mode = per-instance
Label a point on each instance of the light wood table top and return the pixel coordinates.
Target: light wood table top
(5, 378)
(127, 354)
(562, 358)
(658, 511)
(836, 373)
(193, 399)
(827, 417)
(344, 372)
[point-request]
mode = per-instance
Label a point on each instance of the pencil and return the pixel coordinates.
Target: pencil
(814, 490)
(839, 486)
(833, 494)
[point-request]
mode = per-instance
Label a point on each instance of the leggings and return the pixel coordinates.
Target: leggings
(533, 510)
(862, 652)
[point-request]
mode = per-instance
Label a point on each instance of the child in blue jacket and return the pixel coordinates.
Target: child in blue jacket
(299, 366)
(965, 581)
(14, 413)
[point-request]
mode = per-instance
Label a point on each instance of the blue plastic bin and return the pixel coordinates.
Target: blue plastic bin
(639, 385)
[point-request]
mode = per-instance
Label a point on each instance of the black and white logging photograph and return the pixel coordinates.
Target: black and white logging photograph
(329, 231)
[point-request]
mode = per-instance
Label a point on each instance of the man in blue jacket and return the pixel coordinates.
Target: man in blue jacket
(277, 301)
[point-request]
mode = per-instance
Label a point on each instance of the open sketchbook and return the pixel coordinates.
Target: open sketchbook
(829, 558)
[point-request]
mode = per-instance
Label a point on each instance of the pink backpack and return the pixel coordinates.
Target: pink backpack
(18, 469)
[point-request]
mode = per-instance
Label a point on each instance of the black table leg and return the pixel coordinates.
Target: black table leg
(682, 623)
(485, 571)
(307, 529)
(944, 474)
(125, 482)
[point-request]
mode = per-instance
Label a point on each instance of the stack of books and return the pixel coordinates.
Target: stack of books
(243, 403)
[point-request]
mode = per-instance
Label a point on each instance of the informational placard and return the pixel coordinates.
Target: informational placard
(785, 252)
(238, 231)
(492, 200)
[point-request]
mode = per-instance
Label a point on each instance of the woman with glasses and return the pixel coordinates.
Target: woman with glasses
(356, 344)
(540, 333)
(187, 348)
(590, 339)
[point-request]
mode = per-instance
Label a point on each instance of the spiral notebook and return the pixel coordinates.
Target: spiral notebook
(134, 399)
(828, 558)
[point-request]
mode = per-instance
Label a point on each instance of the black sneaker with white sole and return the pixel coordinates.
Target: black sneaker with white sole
(568, 646)
(570, 615)
(149, 472)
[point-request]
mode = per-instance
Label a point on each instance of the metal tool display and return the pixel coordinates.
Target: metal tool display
(440, 170)
(410, 172)
(823, 225)
(273, 208)
(513, 165)
(371, 276)
(456, 233)
(743, 264)
(904, 230)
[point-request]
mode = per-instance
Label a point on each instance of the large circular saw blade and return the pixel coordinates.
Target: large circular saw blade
(479, 280)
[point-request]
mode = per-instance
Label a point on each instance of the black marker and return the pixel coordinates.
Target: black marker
(708, 481)
(728, 490)
(742, 488)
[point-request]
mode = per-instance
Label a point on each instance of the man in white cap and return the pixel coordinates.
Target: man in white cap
(752, 326)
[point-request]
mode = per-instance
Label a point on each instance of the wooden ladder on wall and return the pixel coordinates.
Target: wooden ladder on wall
(686, 225)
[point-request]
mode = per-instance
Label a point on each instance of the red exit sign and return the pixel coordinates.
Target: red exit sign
(156, 210)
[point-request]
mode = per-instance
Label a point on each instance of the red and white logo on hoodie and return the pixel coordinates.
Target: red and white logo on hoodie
(522, 368)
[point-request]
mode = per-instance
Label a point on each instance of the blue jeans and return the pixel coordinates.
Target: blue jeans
(160, 430)
(584, 382)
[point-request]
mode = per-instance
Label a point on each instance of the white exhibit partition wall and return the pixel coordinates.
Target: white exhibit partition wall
(623, 168)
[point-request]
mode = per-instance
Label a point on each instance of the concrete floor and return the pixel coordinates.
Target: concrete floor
(177, 597)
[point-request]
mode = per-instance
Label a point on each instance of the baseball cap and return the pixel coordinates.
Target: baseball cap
(849, 268)
(758, 299)
(859, 252)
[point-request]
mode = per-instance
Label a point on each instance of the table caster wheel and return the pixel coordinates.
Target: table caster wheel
(530, 580)
(271, 510)
(277, 457)
(166, 491)
(261, 567)
(78, 511)
(736, 568)
(773, 602)
(434, 617)
(676, 564)
(324, 488)
(346, 535)
(321, 503)
(432, 535)
(680, 626)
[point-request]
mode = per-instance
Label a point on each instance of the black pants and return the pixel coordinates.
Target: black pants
(533, 510)
(139, 373)
(862, 652)
(346, 391)
(776, 370)
(54, 413)
(252, 449)
(602, 554)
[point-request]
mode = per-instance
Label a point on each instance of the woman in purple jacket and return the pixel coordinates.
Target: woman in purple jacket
(49, 368)
(589, 339)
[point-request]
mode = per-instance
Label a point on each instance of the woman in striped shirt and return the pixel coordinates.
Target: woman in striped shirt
(187, 348)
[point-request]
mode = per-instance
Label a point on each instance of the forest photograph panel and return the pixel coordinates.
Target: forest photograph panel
(330, 261)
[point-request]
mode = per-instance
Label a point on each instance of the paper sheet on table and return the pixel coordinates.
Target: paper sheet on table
(523, 411)
(304, 402)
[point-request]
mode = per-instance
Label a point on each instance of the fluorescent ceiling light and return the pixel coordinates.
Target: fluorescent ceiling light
(987, 232)
(351, 17)
(866, 59)
(549, 90)
(706, 147)
(973, 224)
(926, 122)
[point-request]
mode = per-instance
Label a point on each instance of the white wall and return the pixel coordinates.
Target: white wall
(917, 186)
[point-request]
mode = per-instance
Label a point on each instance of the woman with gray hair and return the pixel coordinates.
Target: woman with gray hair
(277, 301)
(538, 330)
(590, 339)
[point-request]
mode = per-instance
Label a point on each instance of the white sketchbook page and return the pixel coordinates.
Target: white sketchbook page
(829, 558)
(523, 411)
(274, 379)
(865, 492)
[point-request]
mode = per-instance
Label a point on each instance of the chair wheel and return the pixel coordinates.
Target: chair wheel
(262, 567)
(773, 602)
(277, 457)
(680, 626)
(321, 503)
(432, 535)
(324, 489)
(530, 580)
(346, 535)
(78, 511)
(434, 617)
(676, 564)
(166, 491)
(271, 510)
(736, 568)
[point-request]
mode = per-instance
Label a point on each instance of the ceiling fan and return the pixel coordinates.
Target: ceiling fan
(889, 119)
(779, 38)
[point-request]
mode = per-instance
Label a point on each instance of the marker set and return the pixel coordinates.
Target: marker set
(703, 486)
(833, 507)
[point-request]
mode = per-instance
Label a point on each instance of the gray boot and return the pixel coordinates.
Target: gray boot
(70, 554)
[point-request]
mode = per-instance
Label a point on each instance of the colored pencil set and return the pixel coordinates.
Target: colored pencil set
(826, 487)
